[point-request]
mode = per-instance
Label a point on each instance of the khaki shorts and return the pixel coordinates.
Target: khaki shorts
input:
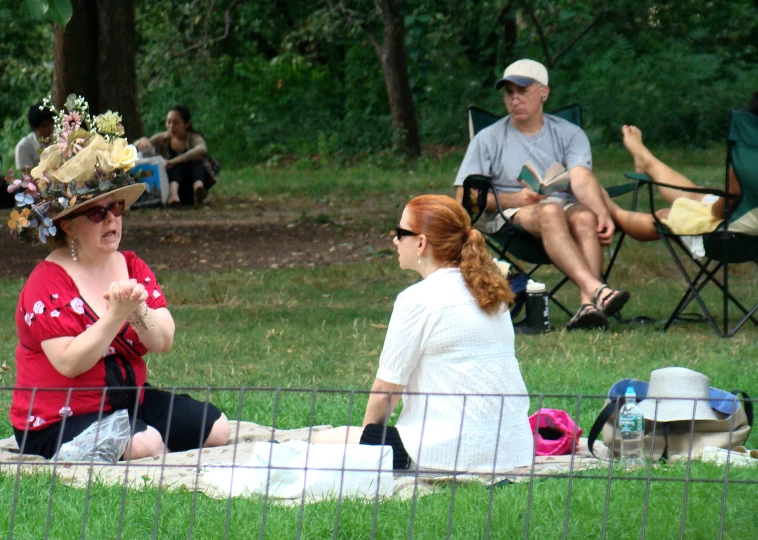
(496, 221)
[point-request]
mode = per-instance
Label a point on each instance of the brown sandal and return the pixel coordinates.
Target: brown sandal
(612, 302)
(587, 318)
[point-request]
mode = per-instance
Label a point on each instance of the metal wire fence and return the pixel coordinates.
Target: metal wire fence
(288, 488)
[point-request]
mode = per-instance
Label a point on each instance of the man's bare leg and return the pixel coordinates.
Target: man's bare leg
(583, 226)
(548, 222)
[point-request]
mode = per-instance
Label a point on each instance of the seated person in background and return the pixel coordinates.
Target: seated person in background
(449, 334)
(89, 313)
(28, 149)
(641, 225)
(572, 224)
(185, 151)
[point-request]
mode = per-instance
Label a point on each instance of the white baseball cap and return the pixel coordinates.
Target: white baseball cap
(523, 73)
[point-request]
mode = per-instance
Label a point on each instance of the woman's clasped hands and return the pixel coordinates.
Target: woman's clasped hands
(124, 297)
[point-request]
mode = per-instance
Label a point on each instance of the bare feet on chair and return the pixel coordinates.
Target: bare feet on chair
(633, 142)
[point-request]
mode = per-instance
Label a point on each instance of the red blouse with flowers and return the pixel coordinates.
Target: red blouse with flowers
(50, 306)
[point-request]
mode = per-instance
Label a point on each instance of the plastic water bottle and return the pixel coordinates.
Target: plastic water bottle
(537, 309)
(632, 427)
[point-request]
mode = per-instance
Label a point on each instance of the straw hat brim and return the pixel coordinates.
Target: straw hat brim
(130, 194)
(673, 410)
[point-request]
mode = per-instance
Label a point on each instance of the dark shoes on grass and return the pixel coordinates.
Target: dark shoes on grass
(595, 315)
(587, 318)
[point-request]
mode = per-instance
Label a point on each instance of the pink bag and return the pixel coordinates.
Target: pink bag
(556, 434)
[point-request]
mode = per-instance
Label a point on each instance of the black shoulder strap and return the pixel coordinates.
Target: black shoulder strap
(748, 403)
(114, 379)
(597, 427)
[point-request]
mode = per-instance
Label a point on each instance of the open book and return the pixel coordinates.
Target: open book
(556, 178)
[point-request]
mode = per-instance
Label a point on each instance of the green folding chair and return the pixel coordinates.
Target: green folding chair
(723, 247)
(512, 241)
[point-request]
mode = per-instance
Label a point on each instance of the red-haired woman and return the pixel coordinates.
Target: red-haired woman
(449, 352)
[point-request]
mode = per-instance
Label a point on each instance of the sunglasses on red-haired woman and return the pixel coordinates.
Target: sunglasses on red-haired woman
(96, 214)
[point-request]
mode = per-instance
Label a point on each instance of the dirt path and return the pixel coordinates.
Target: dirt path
(239, 234)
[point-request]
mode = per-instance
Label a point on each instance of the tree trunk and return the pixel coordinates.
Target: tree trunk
(394, 61)
(75, 56)
(95, 58)
(117, 69)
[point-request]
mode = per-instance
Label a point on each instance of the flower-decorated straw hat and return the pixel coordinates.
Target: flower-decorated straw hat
(88, 161)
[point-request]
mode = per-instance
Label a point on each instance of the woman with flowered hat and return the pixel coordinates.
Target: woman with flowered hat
(89, 313)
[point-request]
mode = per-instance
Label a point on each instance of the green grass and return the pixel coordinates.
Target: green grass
(323, 328)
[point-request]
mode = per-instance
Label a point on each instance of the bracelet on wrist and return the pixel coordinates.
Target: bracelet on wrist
(143, 318)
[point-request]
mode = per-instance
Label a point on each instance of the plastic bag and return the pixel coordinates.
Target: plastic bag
(557, 434)
(103, 442)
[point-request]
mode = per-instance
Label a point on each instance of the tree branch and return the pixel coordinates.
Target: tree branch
(540, 31)
(354, 17)
(586, 31)
(551, 61)
(208, 43)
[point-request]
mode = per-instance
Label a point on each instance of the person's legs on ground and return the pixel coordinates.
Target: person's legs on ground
(46, 442)
(200, 183)
(220, 433)
(371, 435)
(176, 176)
(145, 443)
(183, 422)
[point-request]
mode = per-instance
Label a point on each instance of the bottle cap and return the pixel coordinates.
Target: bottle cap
(630, 391)
(534, 287)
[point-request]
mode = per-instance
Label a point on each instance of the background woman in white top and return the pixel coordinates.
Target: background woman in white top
(449, 352)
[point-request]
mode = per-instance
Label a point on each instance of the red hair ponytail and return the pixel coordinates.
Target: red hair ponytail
(447, 227)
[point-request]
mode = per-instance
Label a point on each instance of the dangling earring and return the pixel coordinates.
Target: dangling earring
(419, 261)
(73, 250)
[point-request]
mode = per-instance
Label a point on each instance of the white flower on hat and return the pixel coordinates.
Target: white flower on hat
(39, 307)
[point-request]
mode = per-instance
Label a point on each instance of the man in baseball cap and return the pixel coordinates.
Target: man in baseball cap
(572, 224)
(523, 73)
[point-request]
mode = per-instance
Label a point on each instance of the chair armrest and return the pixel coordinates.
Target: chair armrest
(623, 189)
(705, 191)
(481, 185)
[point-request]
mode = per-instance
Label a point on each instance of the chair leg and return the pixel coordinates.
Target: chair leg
(552, 297)
(693, 291)
(614, 255)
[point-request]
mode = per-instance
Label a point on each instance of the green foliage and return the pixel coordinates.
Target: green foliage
(57, 11)
(25, 73)
(268, 80)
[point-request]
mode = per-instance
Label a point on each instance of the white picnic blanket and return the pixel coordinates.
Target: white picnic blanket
(198, 470)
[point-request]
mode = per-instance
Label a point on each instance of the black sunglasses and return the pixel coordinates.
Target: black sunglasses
(97, 214)
(400, 232)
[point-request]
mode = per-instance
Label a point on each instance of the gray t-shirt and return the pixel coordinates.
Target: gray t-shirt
(500, 151)
(27, 154)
